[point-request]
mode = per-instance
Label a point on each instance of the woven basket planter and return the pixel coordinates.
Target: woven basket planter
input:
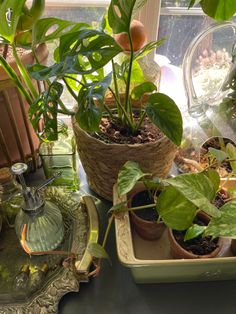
(18, 141)
(102, 161)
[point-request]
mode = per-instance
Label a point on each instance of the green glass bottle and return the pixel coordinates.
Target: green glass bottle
(38, 225)
(61, 156)
(10, 196)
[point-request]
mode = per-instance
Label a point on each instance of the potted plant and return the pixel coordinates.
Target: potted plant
(22, 42)
(153, 130)
(181, 201)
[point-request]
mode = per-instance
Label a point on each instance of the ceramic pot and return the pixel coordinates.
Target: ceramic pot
(146, 229)
(18, 141)
(102, 161)
(177, 251)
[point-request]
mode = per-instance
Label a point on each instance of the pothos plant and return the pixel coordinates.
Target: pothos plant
(177, 204)
(79, 65)
(182, 197)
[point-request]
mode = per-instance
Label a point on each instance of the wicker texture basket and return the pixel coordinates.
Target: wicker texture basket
(102, 161)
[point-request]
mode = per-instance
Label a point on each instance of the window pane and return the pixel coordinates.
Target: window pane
(175, 3)
(179, 31)
(77, 14)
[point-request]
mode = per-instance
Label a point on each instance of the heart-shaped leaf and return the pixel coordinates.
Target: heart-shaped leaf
(165, 114)
(225, 225)
(175, 210)
(98, 251)
(194, 231)
(214, 177)
(198, 189)
(128, 176)
(218, 154)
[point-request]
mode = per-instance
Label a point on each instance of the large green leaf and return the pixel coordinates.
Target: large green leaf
(175, 210)
(165, 114)
(121, 12)
(198, 189)
(225, 225)
(10, 12)
(87, 50)
(231, 151)
(128, 176)
(219, 9)
(58, 27)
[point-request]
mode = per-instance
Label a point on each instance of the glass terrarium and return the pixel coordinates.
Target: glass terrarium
(61, 156)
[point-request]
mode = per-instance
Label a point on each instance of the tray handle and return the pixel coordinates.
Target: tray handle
(83, 265)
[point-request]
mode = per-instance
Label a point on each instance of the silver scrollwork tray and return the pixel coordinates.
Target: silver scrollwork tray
(65, 272)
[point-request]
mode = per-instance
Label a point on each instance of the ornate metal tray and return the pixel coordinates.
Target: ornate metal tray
(65, 271)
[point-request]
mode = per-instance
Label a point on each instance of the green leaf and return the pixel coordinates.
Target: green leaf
(165, 114)
(120, 13)
(128, 176)
(192, 3)
(218, 154)
(219, 9)
(89, 114)
(42, 72)
(58, 27)
(45, 108)
(175, 210)
(10, 12)
(145, 50)
(87, 50)
(231, 151)
(140, 90)
(194, 231)
(198, 189)
(214, 177)
(96, 250)
(30, 15)
(225, 225)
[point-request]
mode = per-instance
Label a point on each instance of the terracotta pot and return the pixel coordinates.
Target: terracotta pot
(102, 161)
(177, 251)
(233, 246)
(18, 141)
(146, 229)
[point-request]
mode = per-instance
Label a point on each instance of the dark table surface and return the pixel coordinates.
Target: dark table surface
(115, 292)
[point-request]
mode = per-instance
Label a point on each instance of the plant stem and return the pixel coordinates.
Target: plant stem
(73, 94)
(13, 76)
(140, 121)
(116, 89)
(136, 208)
(122, 108)
(24, 74)
(109, 111)
(110, 221)
(127, 92)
